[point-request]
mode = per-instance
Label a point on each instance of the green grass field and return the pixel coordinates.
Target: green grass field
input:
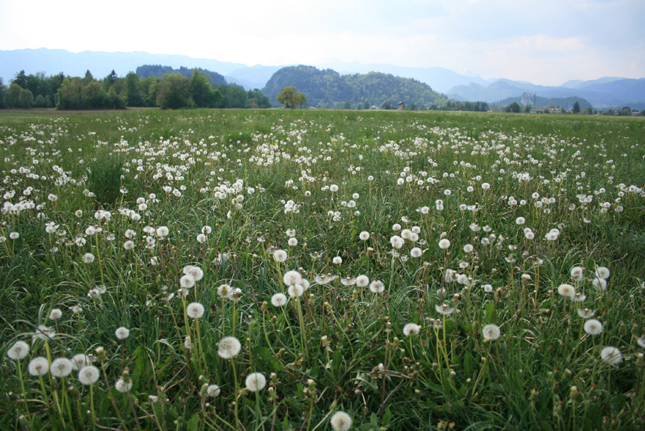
(272, 269)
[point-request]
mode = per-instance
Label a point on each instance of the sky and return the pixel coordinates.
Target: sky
(544, 42)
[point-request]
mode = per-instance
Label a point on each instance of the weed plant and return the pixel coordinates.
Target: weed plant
(310, 270)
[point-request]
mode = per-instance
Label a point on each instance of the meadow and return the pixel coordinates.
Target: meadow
(317, 270)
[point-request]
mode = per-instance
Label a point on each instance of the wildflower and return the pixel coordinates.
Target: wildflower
(487, 288)
(255, 382)
(567, 290)
(641, 341)
(377, 286)
(611, 355)
(520, 220)
(128, 245)
(324, 278)
(162, 231)
(79, 361)
(341, 421)
(195, 310)
(14, 235)
(444, 309)
(206, 230)
(593, 327)
(279, 299)
(411, 329)
(362, 281)
(88, 375)
(333, 188)
(468, 248)
(55, 314)
(280, 255)
(194, 271)
(577, 273)
(229, 347)
(295, 290)
(416, 252)
(61, 367)
(292, 242)
(586, 313)
(337, 260)
(18, 351)
(213, 391)
(599, 283)
(187, 281)
(396, 227)
(122, 333)
(44, 333)
(88, 258)
(348, 281)
(123, 386)
(38, 366)
(291, 278)
(491, 332)
(364, 236)
(602, 272)
(444, 244)
(485, 186)
(188, 343)
(201, 238)
(396, 241)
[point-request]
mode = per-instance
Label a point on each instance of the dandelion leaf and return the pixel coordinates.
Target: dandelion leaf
(489, 313)
(193, 423)
(267, 359)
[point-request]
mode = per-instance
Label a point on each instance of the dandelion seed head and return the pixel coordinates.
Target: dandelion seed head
(38, 366)
(195, 310)
(341, 421)
(611, 355)
(291, 278)
(279, 299)
(61, 367)
(229, 347)
(123, 386)
(444, 244)
(213, 391)
(88, 375)
(18, 351)
(377, 286)
(362, 281)
(280, 255)
(255, 382)
(55, 314)
(593, 327)
(364, 236)
(491, 332)
(122, 333)
(411, 329)
(567, 290)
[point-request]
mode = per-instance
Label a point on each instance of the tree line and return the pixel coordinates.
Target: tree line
(171, 91)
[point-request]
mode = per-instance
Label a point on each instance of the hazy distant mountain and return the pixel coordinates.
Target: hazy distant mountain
(159, 71)
(438, 78)
(559, 102)
(52, 61)
(327, 88)
(601, 93)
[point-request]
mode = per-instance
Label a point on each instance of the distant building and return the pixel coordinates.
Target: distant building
(636, 113)
(555, 110)
(401, 105)
(528, 99)
(537, 111)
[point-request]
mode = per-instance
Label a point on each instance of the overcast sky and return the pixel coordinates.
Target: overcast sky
(544, 41)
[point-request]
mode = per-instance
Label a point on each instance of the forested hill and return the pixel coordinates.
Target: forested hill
(159, 71)
(559, 102)
(327, 88)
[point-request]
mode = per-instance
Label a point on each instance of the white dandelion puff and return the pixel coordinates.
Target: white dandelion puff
(229, 347)
(255, 382)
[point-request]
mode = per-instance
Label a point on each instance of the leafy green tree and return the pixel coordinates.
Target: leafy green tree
(387, 105)
(149, 87)
(174, 92)
(3, 94)
(576, 108)
(133, 90)
(513, 107)
(347, 105)
(290, 97)
(20, 79)
(13, 95)
(260, 100)
(202, 92)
